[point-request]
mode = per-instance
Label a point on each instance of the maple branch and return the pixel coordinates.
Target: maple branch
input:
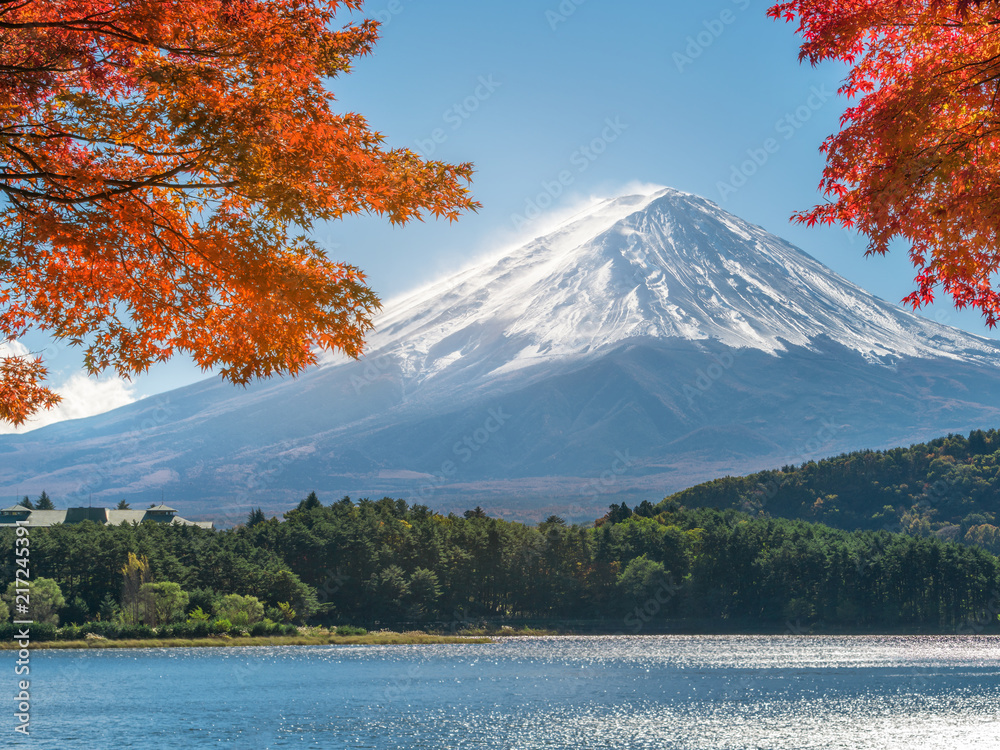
(155, 154)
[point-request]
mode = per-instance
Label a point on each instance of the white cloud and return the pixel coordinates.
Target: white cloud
(82, 396)
(573, 204)
(12, 348)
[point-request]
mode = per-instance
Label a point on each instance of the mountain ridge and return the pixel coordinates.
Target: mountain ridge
(947, 487)
(657, 326)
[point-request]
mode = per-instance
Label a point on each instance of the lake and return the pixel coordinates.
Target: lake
(683, 692)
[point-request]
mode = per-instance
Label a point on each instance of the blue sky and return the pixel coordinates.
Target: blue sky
(556, 102)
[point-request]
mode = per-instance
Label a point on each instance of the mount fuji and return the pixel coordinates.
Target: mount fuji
(648, 343)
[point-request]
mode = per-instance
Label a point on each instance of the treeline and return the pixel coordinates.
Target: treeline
(949, 488)
(379, 563)
(94, 568)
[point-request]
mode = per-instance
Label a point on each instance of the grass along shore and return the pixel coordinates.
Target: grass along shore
(384, 638)
(318, 636)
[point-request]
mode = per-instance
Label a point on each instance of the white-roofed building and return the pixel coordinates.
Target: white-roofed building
(106, 516)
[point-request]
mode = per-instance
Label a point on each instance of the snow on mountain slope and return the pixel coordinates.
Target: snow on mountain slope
(665, 265)
(517, 382)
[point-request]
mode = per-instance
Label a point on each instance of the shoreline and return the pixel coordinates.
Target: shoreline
(416, 638)
(371, 639)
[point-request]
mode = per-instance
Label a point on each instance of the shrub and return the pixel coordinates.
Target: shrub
(43, 631)
(133, 632)
(262, 628)
(242, 611)
(191, 629)
(350, 630)
(202, 599)
(220, 626)
(70, 633)
(287, 629)
(101, 627)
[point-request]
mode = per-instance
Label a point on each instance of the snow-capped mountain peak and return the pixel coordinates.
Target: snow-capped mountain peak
(667, 265)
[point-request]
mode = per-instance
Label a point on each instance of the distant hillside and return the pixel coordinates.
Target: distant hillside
(648, 343)
(949, 487)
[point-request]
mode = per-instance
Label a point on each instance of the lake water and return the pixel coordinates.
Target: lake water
(690, 693)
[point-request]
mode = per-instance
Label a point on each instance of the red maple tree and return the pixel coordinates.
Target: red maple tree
(918, 154)
(161, 165)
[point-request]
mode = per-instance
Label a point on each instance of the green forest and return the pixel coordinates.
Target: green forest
(948, 488)
(386, 563)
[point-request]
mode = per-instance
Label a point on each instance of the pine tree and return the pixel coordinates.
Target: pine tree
(618, 513)
(27, 503)
(645, 509)
(44, 502)
(310, 502)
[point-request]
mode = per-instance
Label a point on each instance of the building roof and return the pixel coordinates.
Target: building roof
(76, 515)
(118, 517)
(46, 517)
(199, 524)
(111, 516)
